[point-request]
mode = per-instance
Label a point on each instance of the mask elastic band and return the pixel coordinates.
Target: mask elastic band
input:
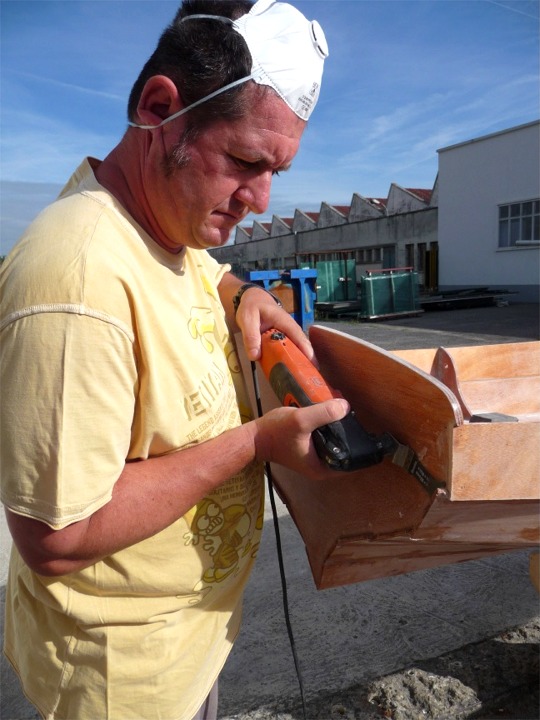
(222, 18)
(197, 102)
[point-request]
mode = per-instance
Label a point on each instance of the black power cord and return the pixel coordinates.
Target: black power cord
(281, 563)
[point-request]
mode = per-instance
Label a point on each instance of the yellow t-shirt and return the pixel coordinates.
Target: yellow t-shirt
(114, 349)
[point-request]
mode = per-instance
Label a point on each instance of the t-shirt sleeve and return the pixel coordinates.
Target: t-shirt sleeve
(69, 384)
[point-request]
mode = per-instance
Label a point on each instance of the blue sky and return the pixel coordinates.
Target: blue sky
(404, 78)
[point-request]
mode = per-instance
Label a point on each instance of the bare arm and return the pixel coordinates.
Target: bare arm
(152, 494)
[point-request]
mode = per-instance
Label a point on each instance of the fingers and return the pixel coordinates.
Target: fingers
(255, 321)
(251, 336)
(257, 313)
(284, 435)
(300, 339)
(323, 413)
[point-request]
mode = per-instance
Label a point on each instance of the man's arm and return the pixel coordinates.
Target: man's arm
(151, 494)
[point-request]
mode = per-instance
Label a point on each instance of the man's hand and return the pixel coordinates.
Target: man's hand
(257, 313)
(283, 436)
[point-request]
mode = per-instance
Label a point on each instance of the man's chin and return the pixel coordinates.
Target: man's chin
(215, 236)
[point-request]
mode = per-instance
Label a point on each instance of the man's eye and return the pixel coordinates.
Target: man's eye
(251, 165)
(244, 164)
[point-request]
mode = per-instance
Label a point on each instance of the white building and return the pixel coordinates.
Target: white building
(489, 213)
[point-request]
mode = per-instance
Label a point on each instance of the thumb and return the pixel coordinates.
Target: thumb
(326, 412)
(336, 409)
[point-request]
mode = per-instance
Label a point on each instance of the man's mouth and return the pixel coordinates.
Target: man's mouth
(230, 218)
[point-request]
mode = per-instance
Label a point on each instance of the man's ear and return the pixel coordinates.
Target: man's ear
(159, 100)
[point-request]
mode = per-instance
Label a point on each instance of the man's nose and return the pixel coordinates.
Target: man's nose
(255, 191)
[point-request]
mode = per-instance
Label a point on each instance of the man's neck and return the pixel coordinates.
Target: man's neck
(120, 174)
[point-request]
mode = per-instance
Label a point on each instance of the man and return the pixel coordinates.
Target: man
(131, 471)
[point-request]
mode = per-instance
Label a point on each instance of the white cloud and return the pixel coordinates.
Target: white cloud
(71, 87)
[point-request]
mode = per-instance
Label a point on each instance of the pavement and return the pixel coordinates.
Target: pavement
(350, 638)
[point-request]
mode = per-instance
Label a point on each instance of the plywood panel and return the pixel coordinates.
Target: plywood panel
(496, 461)
(497, 361)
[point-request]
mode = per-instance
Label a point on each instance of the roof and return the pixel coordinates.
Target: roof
(421, 193)
(490, 135)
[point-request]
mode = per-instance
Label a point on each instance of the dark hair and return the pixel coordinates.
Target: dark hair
(200, 56)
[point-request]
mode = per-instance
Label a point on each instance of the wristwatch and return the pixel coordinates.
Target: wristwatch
(242, 289)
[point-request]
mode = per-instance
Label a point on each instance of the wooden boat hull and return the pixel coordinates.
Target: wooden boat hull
(380, 521)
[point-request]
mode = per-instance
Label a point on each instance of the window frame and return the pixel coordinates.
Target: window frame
(512, 220)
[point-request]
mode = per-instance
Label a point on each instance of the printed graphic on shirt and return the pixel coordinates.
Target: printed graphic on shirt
(202, 326)
(214, 403)
(226, 532)
(224, 527)
(222, 532)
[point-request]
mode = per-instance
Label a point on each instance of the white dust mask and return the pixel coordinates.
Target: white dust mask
(287, 50)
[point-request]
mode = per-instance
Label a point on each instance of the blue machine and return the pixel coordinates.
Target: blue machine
(303, 284)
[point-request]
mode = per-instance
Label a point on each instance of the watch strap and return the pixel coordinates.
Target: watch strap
(242, 289)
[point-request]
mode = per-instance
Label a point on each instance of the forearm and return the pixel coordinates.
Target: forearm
(152, 494)
(228, 287)
(148, 496)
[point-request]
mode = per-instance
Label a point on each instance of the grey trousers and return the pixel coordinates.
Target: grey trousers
(208, 710)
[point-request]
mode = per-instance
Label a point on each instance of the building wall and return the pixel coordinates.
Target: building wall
(474, 179)
(282, 252)
(393, 230)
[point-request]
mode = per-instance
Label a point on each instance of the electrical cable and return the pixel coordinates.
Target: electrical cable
(281, 563)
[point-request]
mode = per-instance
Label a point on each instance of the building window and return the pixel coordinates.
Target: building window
(409, 255)
(519, 224)
(422, 249)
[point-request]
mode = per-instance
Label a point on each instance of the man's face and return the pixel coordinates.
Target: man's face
(228, 173)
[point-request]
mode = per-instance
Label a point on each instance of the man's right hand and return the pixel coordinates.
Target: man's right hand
(283, 436)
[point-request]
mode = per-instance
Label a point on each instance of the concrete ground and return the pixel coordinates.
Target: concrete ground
(459, 641)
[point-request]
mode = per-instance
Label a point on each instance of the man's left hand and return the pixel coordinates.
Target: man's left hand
(257, 313)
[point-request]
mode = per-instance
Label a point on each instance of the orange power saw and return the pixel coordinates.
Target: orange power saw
(344, 444)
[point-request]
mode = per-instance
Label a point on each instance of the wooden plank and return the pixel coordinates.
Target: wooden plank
(496, 461)
(506, 360)
(483, 361)
(422, 358)
(390, 394)
(450, 532)
(490, 378)
(367, 504)
(383, 499)
(509, 523)
(511, 396)
(364, 560)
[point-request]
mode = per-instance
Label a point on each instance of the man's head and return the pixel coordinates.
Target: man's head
(218, 109)
(214, 47)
